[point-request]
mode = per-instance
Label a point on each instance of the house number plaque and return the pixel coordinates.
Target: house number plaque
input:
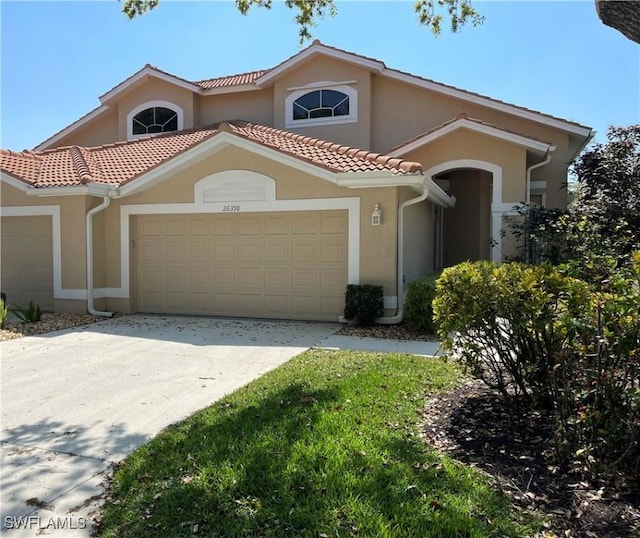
(230, 208)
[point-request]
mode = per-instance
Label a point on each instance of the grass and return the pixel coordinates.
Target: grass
(325, 446)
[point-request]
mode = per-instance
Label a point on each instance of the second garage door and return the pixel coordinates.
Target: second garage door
(290, 265)
(26, 256)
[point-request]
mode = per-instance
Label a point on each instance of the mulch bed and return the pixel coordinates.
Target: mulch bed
(48, 323)
(471, 425)
(400, 331)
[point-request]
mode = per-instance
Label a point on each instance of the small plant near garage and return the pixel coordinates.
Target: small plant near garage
(364, 303)
(4, 313)
(30, 314)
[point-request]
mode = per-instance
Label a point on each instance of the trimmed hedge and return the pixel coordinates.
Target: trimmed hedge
(364, 303)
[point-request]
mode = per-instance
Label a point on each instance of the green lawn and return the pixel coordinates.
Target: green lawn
(325, 446)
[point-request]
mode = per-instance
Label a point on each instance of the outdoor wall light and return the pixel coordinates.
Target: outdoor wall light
(376, 216)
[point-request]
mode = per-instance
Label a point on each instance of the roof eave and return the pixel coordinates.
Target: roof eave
(230, 89)
(376, 179)
(507, 108)
(147, 71)
(529, 143)
(437, 195)
(317, 48)
(15, 181)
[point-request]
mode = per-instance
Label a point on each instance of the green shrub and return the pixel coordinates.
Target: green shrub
(4, 314)
(555, 342)
(418, 303)
(31, 314)
(364, 303)
(597, 381)
(507, 322)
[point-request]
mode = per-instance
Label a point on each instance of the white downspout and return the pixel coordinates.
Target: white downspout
(392, 320)
(547, 158)
(106, 200)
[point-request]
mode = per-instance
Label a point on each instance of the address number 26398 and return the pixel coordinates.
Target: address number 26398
(230, 208)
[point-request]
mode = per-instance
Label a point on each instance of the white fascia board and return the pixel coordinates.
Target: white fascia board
(367, 180)
(489, 103)
(15, 183)
(92, 189)
(274, 73)
(49, 142)
(74, 190)
(145, 72)
(230, 89)
(478, 128)
(437, 195)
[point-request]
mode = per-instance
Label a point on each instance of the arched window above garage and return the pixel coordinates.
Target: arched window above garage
(318, 104)
(154, 117)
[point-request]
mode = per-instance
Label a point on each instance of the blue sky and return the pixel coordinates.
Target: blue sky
(557, 57)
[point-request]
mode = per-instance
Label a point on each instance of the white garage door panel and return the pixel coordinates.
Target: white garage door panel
(26, 256)
(280, 265)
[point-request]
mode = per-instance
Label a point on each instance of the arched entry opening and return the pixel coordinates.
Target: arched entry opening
(468, 230)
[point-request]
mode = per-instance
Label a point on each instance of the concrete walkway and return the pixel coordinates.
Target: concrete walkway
(75, 402)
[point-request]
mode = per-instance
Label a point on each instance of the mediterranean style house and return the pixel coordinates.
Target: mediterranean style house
(264, 194)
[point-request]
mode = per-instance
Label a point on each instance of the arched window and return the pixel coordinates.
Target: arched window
(329, 104)
(154, 117)
(321, 104)
(157, 119)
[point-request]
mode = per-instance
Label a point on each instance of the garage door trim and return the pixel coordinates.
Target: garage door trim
(351, 204)
(52, 211)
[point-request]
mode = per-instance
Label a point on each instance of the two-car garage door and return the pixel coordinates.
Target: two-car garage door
(290, 265)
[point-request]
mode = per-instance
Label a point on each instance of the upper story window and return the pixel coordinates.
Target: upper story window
(321, 103)
(154, 117)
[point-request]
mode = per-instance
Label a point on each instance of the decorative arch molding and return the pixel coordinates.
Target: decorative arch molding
(235, 186)
(498, 208)
(150, 104)
(486, 166)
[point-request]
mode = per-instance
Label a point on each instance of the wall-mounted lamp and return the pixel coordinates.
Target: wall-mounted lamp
(376, 216)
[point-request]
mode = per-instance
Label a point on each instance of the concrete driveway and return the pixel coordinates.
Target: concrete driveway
(77, 401)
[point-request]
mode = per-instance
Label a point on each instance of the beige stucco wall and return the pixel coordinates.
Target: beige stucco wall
(418, 237)
(321, 69)
(464, 144)
(253, 106)
(401, 111)
(103, 130)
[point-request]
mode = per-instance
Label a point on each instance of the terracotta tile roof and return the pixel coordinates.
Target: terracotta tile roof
(334, 157)
(231, 80)
(112, 164)
(463, 116)
(122, 162)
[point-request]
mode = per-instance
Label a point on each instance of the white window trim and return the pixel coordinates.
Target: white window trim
(150, 104)
(352, 93)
